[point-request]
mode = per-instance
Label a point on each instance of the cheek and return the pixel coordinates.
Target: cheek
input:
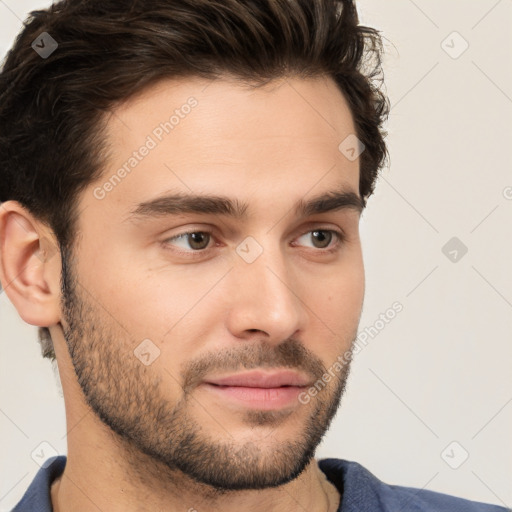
(343, 288)
(336, 307)
(340, 305)
(155, 308)
(172, 309)
(138, 305)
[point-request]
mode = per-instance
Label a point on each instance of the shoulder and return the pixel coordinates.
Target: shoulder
(364, 491)
(37, 497)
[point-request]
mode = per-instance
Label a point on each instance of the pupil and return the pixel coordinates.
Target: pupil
(321, 235)
(196, 238)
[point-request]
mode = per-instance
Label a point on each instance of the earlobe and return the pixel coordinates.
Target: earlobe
(29, 265)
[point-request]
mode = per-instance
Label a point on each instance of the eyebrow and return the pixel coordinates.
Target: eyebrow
(181, 203)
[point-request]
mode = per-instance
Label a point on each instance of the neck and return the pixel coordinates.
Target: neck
(104, 472)
(93, 485)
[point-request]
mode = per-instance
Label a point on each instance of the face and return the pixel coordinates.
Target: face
(197, 328)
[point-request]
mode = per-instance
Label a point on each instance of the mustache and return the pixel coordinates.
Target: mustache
(288, 354)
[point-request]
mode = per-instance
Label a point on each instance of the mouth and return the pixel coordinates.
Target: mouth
(259, 390)
(260, 379)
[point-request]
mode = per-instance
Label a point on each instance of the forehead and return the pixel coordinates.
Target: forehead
(218, 136)
(230, 107)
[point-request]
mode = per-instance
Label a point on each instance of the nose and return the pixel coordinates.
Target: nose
(265, 296)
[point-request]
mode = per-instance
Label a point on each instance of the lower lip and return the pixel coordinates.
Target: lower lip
(258, 398)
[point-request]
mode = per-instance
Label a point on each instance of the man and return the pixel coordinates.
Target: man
(182, 183)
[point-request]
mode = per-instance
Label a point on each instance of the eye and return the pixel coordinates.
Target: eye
(195, 240)
(196, 243)
(322, 238)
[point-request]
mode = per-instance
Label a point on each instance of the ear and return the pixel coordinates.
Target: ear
(29, 265)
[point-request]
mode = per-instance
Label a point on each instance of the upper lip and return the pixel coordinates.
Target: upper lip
(260, 379)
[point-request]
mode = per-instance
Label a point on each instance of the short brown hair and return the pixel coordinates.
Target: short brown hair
(52, 109)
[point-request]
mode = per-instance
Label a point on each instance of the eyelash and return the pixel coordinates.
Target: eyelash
(339, 235)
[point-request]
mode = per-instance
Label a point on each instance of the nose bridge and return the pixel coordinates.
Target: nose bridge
(265, 296)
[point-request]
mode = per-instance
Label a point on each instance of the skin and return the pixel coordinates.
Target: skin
(295, 306)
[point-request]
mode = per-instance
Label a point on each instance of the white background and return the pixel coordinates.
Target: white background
(439, 372)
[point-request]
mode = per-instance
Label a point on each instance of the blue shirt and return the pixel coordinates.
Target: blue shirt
(361, 491)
